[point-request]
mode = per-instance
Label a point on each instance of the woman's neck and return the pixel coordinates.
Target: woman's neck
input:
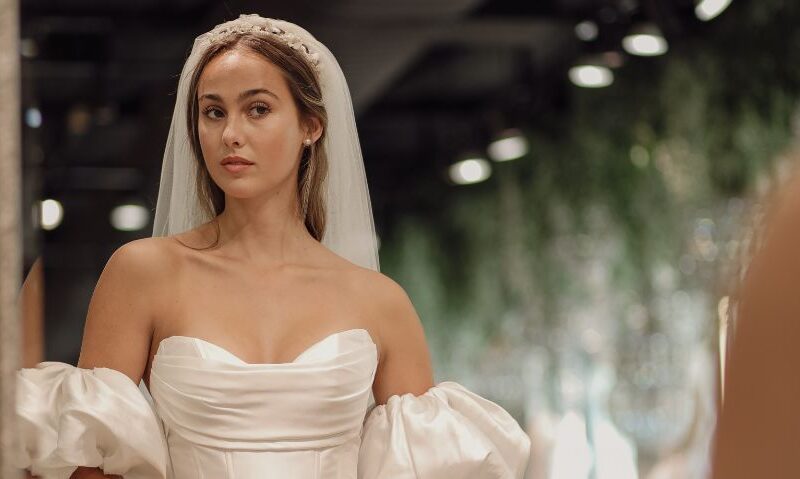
(265, 234)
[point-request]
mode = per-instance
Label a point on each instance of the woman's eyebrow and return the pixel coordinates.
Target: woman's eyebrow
(242, 95)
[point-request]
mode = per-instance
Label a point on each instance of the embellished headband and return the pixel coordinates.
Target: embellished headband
(257, 25)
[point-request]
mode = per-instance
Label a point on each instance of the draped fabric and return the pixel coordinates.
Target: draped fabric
(447, 432)
(214, 415)
(69, 416)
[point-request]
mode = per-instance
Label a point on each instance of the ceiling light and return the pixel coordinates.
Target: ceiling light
(33, 117)
(645, 41)
(510, 145)
(708, 9)
(591, 76)
(470, 170)
(51, 214)
(586, 30)
(130, 217)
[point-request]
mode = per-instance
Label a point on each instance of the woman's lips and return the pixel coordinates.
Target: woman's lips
(235, 164)
(236, 167)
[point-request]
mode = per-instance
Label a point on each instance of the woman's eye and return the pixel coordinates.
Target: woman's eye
(209, 112)
(259, 110)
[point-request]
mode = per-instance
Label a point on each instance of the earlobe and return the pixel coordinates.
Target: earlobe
(315, 130)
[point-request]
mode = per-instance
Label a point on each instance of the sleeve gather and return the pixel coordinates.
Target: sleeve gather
(69, 417)
(448, 431)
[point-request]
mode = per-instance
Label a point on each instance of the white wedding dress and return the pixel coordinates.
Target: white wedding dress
(212, 415)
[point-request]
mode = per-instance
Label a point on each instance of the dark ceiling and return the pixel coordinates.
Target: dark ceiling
(428, 78)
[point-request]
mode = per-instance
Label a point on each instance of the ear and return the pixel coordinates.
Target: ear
(313, 128)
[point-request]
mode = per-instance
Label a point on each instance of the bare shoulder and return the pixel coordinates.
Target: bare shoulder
(381, 287)
(384, 298)
(144, 255)
(120, 317)
(404, 363)
(144, 263)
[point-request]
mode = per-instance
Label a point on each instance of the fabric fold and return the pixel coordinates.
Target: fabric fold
(208, 396)
(448, 431)
(69, 417)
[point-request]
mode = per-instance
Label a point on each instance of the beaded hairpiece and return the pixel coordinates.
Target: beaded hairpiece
(254, 24)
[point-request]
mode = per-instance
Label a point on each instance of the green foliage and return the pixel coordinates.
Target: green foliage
(671, 140)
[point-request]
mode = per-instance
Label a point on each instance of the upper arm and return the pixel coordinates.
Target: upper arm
(405, 363)
(119, 322)
(31, 305)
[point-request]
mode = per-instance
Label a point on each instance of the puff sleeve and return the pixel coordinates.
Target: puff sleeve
(69, 417)
(447, 432)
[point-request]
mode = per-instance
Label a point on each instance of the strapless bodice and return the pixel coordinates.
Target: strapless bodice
(223, 416)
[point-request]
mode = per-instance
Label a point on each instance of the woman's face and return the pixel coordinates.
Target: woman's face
(246, 110)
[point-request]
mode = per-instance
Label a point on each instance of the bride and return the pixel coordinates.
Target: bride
(262, 337)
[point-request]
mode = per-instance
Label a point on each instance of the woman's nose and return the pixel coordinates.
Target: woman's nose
(231, 135)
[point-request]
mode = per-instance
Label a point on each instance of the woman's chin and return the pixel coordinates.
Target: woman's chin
(239, 194)
(239, 191)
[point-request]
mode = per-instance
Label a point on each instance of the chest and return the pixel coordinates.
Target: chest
(260, 316)
(215, 293)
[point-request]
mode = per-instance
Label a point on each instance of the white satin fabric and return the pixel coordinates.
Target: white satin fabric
(215, 416)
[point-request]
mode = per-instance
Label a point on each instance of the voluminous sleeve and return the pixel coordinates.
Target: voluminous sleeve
(447, 432)
(69, 417)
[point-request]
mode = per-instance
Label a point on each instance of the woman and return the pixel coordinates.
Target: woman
(256, 316)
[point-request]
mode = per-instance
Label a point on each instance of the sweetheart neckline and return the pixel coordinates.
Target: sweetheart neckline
(293, 361)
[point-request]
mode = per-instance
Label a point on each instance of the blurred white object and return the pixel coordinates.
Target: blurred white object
(645, 40)
(51, 214)
(130, 217)
(511, 145)
(591, 76)
(470, 170)
(708, 9)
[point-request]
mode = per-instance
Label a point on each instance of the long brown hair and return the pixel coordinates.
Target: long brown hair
(307, 94)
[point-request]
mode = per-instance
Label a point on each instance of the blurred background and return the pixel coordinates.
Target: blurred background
(566, 188)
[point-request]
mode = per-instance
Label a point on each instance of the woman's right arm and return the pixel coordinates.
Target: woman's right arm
(119, 322)
(120, 318)
(118, 332)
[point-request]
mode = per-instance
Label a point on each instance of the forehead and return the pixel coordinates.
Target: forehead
(237, 70)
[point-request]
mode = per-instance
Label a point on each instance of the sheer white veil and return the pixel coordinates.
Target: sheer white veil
(350, 228)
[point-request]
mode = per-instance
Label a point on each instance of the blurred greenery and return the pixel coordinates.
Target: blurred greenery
(618, 180)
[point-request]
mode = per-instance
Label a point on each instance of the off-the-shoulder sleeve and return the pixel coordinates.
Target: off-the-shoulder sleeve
(447, 432)
(69, 417)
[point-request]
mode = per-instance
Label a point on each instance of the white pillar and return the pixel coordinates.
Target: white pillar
(10, 228)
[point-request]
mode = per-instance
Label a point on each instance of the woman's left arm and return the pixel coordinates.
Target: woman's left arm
(426, 430)
(405, 362)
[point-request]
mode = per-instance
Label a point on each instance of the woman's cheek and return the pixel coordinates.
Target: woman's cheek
(206, 142)
(203, 134)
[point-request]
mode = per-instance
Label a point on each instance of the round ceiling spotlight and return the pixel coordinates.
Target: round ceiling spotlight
(645, 41)
(708, 9)
(509, 145)
(51, 213)
(470, 170)
(586, 30)
(33, 117)
(591, 76)
(130, 217)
